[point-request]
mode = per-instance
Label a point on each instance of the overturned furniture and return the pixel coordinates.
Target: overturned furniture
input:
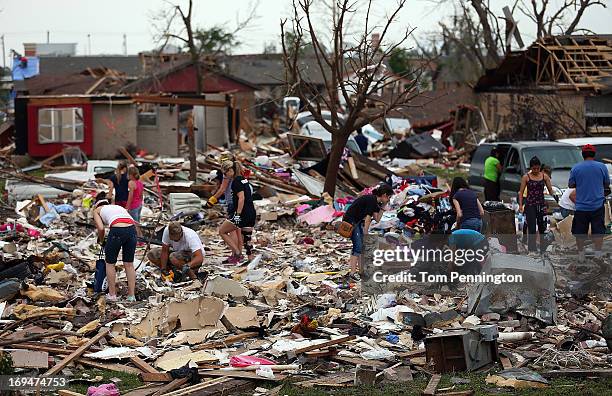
(462, 350)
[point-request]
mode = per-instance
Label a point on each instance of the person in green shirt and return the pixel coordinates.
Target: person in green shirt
(492, 169)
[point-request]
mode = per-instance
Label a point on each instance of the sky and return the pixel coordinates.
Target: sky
(107, 21)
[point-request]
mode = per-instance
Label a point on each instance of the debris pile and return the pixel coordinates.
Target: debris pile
(290, 312)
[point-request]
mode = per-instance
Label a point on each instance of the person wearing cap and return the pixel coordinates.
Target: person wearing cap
(236, 231)
(591, 180)
(182, 247)
(223, 183)
(121, 237)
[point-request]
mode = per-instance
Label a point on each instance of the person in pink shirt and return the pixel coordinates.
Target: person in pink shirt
(135, 187)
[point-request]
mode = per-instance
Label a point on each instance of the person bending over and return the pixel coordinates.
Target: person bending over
(181, 248)
(360, 215)
(121, 237)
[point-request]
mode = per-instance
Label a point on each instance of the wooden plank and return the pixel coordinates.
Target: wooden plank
(42, 201)
(145, 390)
(418, 352)
(353, 168)
(175, 384)
(326, 344)
(336, 378)
(228, 386)
(76, 354)
(195, 388)
(127, 155)
(58, 101)
(226, 341)
(506, 364)
(142, 365)
(357, 361)
(178, 101)
(240, 374)
(122, 368)
(155, 377)
(599, 373)
(66, 392)
(432, 385)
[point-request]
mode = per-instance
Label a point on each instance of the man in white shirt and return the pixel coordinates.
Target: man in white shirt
(567, 203)
(182, 247)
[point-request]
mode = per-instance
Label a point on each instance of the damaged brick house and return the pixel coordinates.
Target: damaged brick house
(563, 82)
(99, 111)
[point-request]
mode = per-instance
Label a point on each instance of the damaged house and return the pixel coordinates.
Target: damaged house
(559, 87)
(99, 111)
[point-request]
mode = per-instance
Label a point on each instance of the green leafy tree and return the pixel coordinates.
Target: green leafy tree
(216, 40)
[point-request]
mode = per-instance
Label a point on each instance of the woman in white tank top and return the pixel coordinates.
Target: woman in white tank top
(122, 236)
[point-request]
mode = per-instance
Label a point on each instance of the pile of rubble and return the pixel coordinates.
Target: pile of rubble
(289, 313)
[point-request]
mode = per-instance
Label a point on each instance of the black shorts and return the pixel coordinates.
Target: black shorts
(247, 220)
(120, 238)
(491, 190)
(584, 219)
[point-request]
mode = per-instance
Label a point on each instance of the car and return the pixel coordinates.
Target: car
(603, 145)
(306, 117)
(316, 130)
(561, 157)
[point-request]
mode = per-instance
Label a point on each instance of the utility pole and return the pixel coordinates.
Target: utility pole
(3, 56)
(124, 44)
(89, 44)
(48, 37)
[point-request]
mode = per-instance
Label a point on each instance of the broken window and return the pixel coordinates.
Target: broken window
(60, 125)
(147, 115)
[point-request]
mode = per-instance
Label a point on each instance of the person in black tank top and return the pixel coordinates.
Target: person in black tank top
(236, 231)
(534, 205)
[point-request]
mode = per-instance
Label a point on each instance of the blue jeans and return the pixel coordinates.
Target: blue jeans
(357, 238)
(471, 224)
(135, 213)
(566, 212)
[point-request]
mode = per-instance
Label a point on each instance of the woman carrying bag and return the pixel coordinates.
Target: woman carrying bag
(360, 215)
(121, 236)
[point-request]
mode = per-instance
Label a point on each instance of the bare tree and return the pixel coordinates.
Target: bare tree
(548, 18)
(481, 33)
(353, 70)
(543, 117)
(197, 42)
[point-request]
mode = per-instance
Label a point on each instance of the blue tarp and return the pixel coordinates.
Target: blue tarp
(21, 73)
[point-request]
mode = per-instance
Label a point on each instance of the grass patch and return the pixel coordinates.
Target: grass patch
(128, 381)
(561, 386)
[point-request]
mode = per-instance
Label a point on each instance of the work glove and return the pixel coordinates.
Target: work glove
(185, 270)
(167, 275)
(236, 219)
(211, 202)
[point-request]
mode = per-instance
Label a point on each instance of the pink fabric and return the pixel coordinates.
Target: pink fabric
(137, 198)
(103, 390)
(246, 361)
(322, 214)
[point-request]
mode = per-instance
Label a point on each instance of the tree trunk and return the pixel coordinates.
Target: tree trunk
(333, 166)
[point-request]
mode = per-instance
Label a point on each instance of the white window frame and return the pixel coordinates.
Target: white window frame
(62, 132)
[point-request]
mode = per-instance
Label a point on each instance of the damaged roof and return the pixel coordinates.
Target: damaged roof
(580, 63)
(86, 82)
(131, 65)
